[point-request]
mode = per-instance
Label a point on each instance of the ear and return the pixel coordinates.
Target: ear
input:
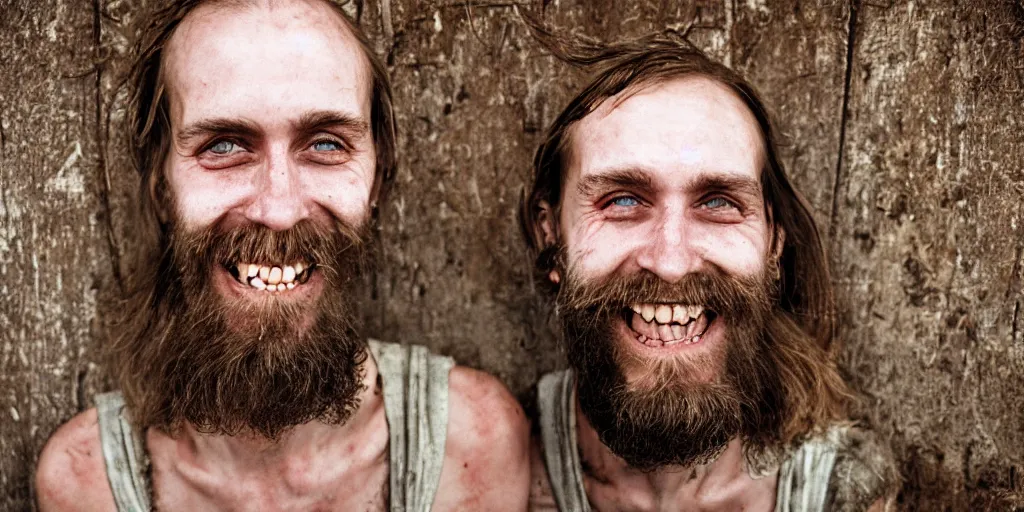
(547, 226)
(159, 198)
(546, 233)
(778, 241)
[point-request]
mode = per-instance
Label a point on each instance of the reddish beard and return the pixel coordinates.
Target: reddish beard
(251, 362)
(669, 412)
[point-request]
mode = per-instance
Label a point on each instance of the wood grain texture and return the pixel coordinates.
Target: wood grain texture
(52, 256)
(904, 138)
(928, 244)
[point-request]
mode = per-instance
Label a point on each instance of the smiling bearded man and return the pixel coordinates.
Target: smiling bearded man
(694, 300)
(264, 137)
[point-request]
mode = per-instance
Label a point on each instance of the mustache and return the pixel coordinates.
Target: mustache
(310, 242)
(712, 288)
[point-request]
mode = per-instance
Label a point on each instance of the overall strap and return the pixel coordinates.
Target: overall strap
(556, 400)
(416, 406)
(123, 454)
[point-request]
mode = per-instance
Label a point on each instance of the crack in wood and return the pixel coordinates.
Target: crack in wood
(1015, 272)
(851, 39)
(80, 397)
(387, 24)
(1015, 325)
(3, 140)
(101, 153)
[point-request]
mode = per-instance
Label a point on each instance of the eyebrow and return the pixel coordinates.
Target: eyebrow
(638, 179)
(205, 127)
(632, 178)
(308, 122)
(716, 182)
(317, 120)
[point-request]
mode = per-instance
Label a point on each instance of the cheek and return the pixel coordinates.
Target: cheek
(346, 196)
(736, 252)
(199, 198)
(598, 249)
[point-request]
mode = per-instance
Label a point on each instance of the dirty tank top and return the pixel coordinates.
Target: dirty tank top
(842, 470)
(415, 403)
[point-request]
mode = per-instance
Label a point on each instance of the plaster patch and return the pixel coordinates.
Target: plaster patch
(69, 178)
(758, 5)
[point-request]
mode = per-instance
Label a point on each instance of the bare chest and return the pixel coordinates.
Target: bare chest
(743, 493)
(364, 490)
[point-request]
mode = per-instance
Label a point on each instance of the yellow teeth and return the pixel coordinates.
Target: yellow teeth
(273, 278)
(668, 313)
(663, 313)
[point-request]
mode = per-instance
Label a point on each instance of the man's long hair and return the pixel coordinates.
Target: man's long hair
(814, 394)
(148, 128)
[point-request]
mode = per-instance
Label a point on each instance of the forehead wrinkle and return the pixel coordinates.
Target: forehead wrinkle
(184, 34)
(725, 99)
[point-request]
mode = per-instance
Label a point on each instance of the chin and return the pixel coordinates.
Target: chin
(693, 358)
(249, 301)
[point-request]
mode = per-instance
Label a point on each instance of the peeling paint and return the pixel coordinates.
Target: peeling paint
(68, 179)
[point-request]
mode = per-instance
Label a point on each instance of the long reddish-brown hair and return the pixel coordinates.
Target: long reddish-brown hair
(148, 135)
(803, 326)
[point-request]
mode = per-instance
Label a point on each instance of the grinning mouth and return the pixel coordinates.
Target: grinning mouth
(272, 278)
(659, 325)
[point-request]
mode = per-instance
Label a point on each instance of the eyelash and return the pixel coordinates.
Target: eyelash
(611, 201)
(214, 143)
(728, 202)
(342, 146)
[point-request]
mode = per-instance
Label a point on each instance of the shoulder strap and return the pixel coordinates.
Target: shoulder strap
(416, 406)
(804, 475)
(124, 455)
(556, 401)
(864, 472)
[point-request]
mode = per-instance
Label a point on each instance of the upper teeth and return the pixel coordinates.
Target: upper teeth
(668, 313)
(272, 278)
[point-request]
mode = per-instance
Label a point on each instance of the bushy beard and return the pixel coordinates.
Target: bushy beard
(680, 411)
(231, 365)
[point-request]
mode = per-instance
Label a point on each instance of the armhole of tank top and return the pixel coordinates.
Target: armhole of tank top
(124, 456)
(556, 401)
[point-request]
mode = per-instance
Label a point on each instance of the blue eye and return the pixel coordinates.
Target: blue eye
(625, 201)
(223, 147)
(326, 145)
(717, 202)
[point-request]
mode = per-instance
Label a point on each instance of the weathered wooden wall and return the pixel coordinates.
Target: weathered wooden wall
(903, 127)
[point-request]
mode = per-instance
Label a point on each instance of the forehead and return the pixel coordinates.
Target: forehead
(263, 60)
(671, 129)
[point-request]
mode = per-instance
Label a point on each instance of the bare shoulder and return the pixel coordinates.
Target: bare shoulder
(483, 410)
(486, 464)
(71, 474)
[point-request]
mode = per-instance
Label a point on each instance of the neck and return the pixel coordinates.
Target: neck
(666, 487)
(306, 442)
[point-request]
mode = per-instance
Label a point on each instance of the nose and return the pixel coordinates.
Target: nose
(668, 253)
(278, 202)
